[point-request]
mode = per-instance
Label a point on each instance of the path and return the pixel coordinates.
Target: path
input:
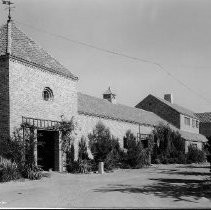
(163, 186)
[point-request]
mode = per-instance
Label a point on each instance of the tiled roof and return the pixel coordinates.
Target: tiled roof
(192, 136)
(3, 40)
(101, 107)
(177, 107)
(25, 49)
(204, 117)
(90, 105)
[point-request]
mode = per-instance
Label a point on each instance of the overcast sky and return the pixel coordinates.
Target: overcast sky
(175, 33)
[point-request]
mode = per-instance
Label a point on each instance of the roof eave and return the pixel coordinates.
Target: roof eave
(71, 76)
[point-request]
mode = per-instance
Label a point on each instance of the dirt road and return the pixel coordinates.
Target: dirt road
(163, 186)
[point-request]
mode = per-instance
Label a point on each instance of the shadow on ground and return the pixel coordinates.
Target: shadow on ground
(173, 188)
(185, 173)
(193, 166)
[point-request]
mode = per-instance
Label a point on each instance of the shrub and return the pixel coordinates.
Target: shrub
(195, 155)
(31, 171)
(105, 148)
(12, 149)
(8, 171)
(137, 156)
(100, 142)
(72, 167)
(79, 166)
(82, 150)
(83, 164)
(113, 160)
(169, 147)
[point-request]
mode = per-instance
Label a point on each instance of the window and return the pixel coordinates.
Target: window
(141, 136)
(145, 143)
(194, 145)
(187, 121)
(125, 143)
(47, 94)
(197, 123)
(193, 123)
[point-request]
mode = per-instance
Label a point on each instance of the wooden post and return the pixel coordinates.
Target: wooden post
(60, 152)
(35, 146)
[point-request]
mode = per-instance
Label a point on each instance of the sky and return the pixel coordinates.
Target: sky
(174, 33)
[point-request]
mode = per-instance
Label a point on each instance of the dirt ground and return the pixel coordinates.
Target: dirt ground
(159, 186)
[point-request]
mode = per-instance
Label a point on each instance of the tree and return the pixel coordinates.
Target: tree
(100, 142)
(169, 147)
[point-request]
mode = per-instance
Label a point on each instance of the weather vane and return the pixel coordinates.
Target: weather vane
(8, 3)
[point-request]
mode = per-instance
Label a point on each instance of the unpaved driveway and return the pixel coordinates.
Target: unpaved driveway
(163, 186)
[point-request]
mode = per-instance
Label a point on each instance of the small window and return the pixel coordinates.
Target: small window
(197, 123)
(194, 145)
(125, 143)
(47, 94)
(145, 143)
(193, 123)
(187, 121)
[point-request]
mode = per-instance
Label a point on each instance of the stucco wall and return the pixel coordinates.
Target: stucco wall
(26, 86)
(185, 127)
(118, 128)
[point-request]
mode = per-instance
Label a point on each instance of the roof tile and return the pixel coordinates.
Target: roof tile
(204, 117)
(24, 48)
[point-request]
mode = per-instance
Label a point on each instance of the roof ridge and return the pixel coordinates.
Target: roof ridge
(23, 47)
(118, 104)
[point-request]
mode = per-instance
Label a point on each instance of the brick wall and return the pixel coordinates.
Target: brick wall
(118, 128)
(4, 97)
(205, 129)
(161, 109)
(26, 86)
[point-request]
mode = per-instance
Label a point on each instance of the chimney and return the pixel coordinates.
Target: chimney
(169, 98)
(108, 95)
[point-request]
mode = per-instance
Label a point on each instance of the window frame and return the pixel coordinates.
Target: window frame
(187, 121)
(47, 94)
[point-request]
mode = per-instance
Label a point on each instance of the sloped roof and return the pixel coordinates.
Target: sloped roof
(176, 107)
(90, 105)
(101, 107)
(204, 117)
(25, 49)
(193, 136)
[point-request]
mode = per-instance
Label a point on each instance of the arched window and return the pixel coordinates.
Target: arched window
(47, 94)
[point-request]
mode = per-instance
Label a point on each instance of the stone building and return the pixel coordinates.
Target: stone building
(35, 88)
(183, 119)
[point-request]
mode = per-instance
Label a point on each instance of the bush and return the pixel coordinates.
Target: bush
(31, 171)
(195, 155)
(169, 147)
(113, 160)
(12, 149)
(83, 164)
(104, 147)
(100, 142)
(79, 166)
(8, 171)
(137, 156)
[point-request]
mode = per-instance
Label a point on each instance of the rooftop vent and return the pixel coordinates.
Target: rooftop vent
(169, 98)
(108, 95)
